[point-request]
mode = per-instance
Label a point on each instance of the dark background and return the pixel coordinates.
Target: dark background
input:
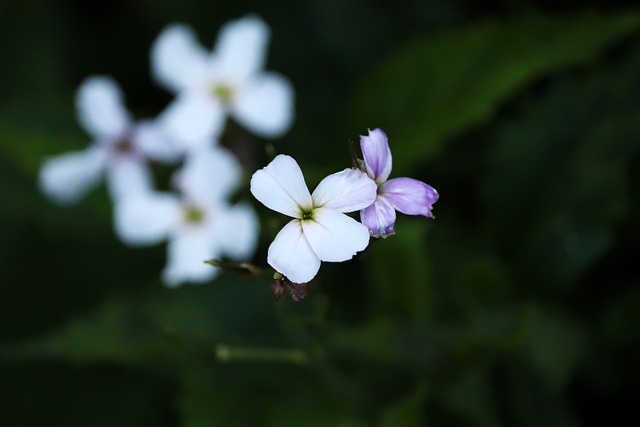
(517, 306)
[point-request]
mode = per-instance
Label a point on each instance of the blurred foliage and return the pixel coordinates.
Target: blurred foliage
(517, 306)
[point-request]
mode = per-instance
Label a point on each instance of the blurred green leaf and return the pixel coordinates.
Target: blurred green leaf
(28, 148)
(566, 157)
(399, 272)
(102, 395)
(154, 328)
(554, 344)
(443, 84)
(276, 395)
(408, 412)
(470, 396)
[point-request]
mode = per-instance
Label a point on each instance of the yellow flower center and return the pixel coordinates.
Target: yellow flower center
(192, 214)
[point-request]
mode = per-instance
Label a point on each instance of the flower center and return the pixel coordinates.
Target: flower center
(123, 146)
(223, 92)
(193, 215)
(307, 214)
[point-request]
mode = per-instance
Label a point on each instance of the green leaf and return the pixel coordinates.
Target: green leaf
(154, 328)
(554, 344)
(556, 183)
(399, 271)
(442, 85)
(409, 412)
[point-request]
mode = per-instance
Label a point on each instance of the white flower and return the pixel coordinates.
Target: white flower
(119, 149)
(320, 231)
(229, 80)
(199, 223)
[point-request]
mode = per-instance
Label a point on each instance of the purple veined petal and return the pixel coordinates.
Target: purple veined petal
(209, 174)
(379, 218)
(409, 196)
(290, 254)
(192, 118)
(146, 219)
(237, 231)
(68, 177)
(178, 61)
(186, 254)
(334, 236)
(264, 104)
(346, 191)
(100, 107)
(280, 186)
(241, 46)
(128, 176)
(377, 155)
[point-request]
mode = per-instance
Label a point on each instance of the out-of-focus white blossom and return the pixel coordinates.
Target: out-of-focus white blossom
(199, 223)
(119, 151)
(228, 81)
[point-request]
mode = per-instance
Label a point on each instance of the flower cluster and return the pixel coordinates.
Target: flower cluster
(320, 230)
(196, 216)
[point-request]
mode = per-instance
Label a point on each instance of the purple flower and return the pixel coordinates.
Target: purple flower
(409, 196)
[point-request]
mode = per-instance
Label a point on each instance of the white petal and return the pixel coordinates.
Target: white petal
(186, 254)
(100, 107)
(209, 174)
(241, 46)
(146, 219)
(153, 143)
(335, 236)
(66, 178)
(280, 186)
(291, 254)
(192, 118)
(128, 176)
(238, 233)
(177, 59)
(346, 191)
(265, 105)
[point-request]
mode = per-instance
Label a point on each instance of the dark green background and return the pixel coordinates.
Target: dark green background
(517, 306)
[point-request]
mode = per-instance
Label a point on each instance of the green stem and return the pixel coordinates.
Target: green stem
(225, 353)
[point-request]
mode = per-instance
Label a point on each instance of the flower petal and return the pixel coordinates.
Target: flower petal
(100, 107)
(209, 174)
(241, 46)
(379, 218)
(334, 236)
(146, 219)
(238, 231)
(178, 61)
(409, 196)
(191, 119)
(265, 105)
(290, 254)
(377, 155)
(280, 186)
(346, 191)
(153, 143)
(66, 178)
(128, 176)
(186, 254)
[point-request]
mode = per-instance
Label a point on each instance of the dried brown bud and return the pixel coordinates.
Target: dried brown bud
(297, 291)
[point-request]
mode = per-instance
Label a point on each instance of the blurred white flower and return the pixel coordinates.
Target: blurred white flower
(228, 81)
(199, 224)
(119, 150)
(320, 230)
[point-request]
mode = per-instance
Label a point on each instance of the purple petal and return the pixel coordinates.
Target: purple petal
(379, 218)
(409, 196)
(377, 155)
